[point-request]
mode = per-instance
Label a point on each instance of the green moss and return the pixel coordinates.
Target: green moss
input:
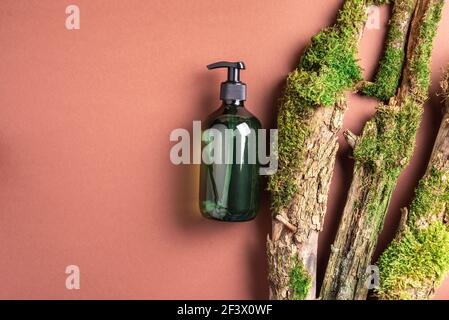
(419, 65)
(377, 200)
(390, 67)
(300, 280)
(383, 150)
(431, 199)
(380, 2)
(387, 78)
(327, 68)
(330, 64)
(388, 139)
(418, 260)
(414, 264)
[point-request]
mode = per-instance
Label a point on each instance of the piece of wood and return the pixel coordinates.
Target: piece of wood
(292, 247)
(417, 260)
(381, 152)
(307, 208)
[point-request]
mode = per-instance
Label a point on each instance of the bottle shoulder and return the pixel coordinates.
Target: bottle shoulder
(232, 117)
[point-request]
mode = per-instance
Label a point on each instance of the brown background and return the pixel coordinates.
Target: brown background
(85, 118)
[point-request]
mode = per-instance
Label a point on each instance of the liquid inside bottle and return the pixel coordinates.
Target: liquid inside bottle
(230, 181)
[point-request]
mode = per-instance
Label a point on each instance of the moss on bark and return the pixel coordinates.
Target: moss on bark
(328, 68)
(390, 67)
(381, 153)
(310, 115)
(417, 260)
(300, 280)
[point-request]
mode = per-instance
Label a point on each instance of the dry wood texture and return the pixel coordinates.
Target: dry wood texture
(380, 153)
(310, 117)
(307, 208)
(417, 260)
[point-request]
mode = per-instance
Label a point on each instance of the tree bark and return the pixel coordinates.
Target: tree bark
(380, 153)
(297, 221)
(307, 208)
(423, 231)
(389, 73)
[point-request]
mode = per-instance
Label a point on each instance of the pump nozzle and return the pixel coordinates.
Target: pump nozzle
(233, 89)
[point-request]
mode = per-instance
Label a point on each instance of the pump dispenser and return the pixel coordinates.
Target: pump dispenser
(229, 184)
(233, 88)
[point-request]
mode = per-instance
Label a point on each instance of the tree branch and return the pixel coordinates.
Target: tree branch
(382, 151)
(351, 138)
(310, 116)
(417, 260)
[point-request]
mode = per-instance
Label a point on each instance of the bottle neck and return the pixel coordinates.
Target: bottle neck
(233, 103)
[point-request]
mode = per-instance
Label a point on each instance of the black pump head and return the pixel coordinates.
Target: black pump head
(233, 89)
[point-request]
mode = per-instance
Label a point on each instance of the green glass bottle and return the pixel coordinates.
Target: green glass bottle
(230, 181)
